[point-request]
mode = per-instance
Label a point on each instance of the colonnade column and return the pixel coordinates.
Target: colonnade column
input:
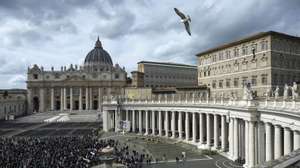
(269, 148)
(187, 125)
(147, 122)
(235, 139)
(223, 131)
(201, 128)
(133, 121)
(52, 99)
(296, 139)
(61, 99)
(153, 122)
(65, 98)
(166, 123)
(231, 137)
(194, 127)
(208, 136)
(140, 121)
(86, 98)
(277, 142)
(180, 124)
(287, 141)
(216, 134)
(251, 140)
(173, 124)
(80, 98)
(159, 124)
(246, 143)
(71, 99)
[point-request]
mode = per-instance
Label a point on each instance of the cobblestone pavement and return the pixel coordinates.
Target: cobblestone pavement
(157, 147)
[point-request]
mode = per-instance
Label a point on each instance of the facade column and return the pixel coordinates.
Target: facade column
(223, 132)
(194, 127)
(127, 115)
(87, 98)
(166, 123)
(65, 98)
(61, 99)
(216, 134)
(269, 148)
(140, 121)
(296, 139)
(208, 135)
(42, 100)
(277, 142)
(71, 98)
(91, 99)
(133, 121)
(180, 124)
(251, 149)
(99, 98)
(173, 124)
(235, 139)
(80, 98)
(159, 123)
(187, 125)
(147, 122)
(287, 141)
(52, 99)
(153, 122)
(201, 129)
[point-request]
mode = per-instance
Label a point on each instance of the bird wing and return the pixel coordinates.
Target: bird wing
(180, 14)
(187, 27)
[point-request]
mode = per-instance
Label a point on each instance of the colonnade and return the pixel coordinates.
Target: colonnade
(250, 141)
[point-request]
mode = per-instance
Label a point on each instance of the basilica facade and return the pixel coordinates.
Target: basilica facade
(75, 87)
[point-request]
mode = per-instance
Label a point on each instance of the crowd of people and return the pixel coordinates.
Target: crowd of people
(61, 152)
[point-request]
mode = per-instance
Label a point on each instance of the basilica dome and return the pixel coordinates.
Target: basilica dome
(98, 56)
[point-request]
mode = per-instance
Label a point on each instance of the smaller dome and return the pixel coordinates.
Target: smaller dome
(98, 56)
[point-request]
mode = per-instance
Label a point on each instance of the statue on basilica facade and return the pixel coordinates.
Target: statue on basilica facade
(294, 91)
(286, 92)
(276, 92)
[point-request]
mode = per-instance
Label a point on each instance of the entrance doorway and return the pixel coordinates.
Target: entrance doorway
(36, 104)
(95, 104)
(76, 105)
(57, 105)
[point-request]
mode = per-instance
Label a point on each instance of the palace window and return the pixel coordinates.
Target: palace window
(220, 55)
(236, 82)
(236, 52)
(245, 80)
(220, 83)
(264, 79)
(228, 83)
(254, 80)
(228, 54)
(214, 84)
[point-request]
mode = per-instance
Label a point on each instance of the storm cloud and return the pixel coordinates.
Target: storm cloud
(61, 32)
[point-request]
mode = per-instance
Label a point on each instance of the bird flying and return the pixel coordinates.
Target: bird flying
(184, 19)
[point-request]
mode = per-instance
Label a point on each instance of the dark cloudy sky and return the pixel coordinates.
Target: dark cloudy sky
(61, 32)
